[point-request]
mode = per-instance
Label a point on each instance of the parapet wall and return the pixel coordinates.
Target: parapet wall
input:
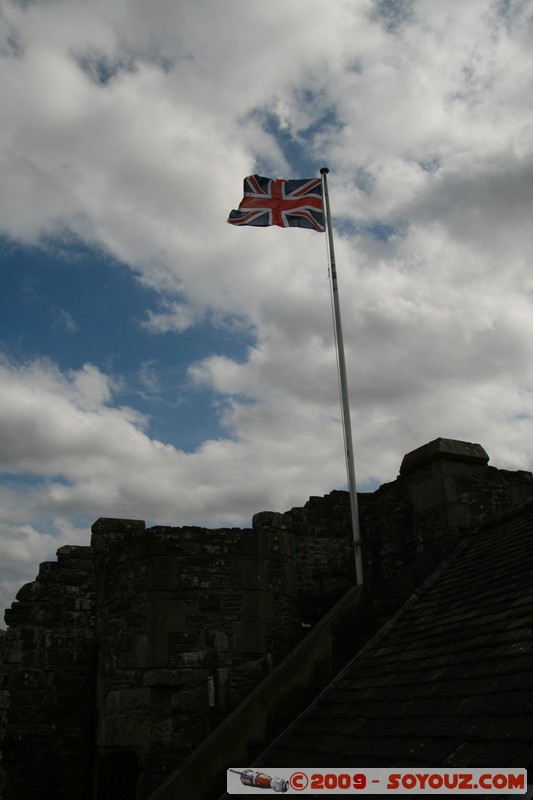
(49, 660)
(122, 657)
(4, 705)
(323, 551)
(444, 489)
(189, 621)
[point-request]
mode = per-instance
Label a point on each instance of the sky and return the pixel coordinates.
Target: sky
(157, 363)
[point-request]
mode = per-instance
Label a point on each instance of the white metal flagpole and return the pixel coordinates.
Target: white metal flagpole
(345, 402)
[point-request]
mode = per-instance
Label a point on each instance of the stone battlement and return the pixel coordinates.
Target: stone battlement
(121, 657)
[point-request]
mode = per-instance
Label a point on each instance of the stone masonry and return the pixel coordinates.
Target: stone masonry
(49, 674)
(189, 621)
(444, 489)
(121, 657)
(4, 705)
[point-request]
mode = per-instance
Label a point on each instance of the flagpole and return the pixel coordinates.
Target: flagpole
(345, 401)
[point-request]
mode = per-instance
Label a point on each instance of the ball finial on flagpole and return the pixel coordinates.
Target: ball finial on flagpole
(324, 170)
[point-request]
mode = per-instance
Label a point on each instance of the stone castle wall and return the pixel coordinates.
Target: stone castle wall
(121, 657)
(4, 706)
(49, 673)
(444, 489)
(189, 621)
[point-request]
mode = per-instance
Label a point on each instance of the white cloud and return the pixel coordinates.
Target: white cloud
(64, 320)
(176, 317)
(132, 126)
(81, 457)
(23, 547)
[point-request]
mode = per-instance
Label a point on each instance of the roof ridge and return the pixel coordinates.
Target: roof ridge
(371, 644)
(357, 671)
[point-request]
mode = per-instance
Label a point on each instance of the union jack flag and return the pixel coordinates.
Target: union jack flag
(289, 204)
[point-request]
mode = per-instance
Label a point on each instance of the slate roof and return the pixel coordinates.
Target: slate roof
(449, 682)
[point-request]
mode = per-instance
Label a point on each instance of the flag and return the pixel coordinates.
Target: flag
(289, 204)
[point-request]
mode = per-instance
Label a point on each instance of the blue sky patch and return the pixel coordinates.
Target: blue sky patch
(85, 307)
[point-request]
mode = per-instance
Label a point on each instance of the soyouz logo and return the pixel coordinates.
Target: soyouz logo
(259, 780)
(377, 781)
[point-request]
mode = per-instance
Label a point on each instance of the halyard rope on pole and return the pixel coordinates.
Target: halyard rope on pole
(345, 401)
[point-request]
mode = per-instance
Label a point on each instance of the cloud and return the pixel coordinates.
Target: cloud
(487, 205)
(130, 126)
(24, 547)
(176, 317)
(65, 320)
(67, 453)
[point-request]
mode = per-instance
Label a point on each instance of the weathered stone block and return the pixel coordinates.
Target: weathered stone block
(460, 516)
(443, 450)
(179, 734)
(30, 592)
(126, 731)
(447, 466)
(255, 543)
(250, 637)
(251, 573)
(107, 532)
(164, 572)
(14, 653)
(209, 602)
(190, 700)
(434, 492)
(258, 606)
(74, 550)
(184, 678)
(27, 679)
(521, 492)
(218, 640)
(271, 519)
(124, 700)
(151, 650)
(193, 658)
(283, 543)
(290, 579)
(164, 613)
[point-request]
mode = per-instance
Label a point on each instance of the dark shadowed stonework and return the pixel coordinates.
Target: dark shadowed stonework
(4, 704)
(122, 657)
(181, 611)
(449, 683)
(444, 489)
(49, 675)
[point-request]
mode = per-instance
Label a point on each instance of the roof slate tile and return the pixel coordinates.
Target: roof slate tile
(451, 681)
